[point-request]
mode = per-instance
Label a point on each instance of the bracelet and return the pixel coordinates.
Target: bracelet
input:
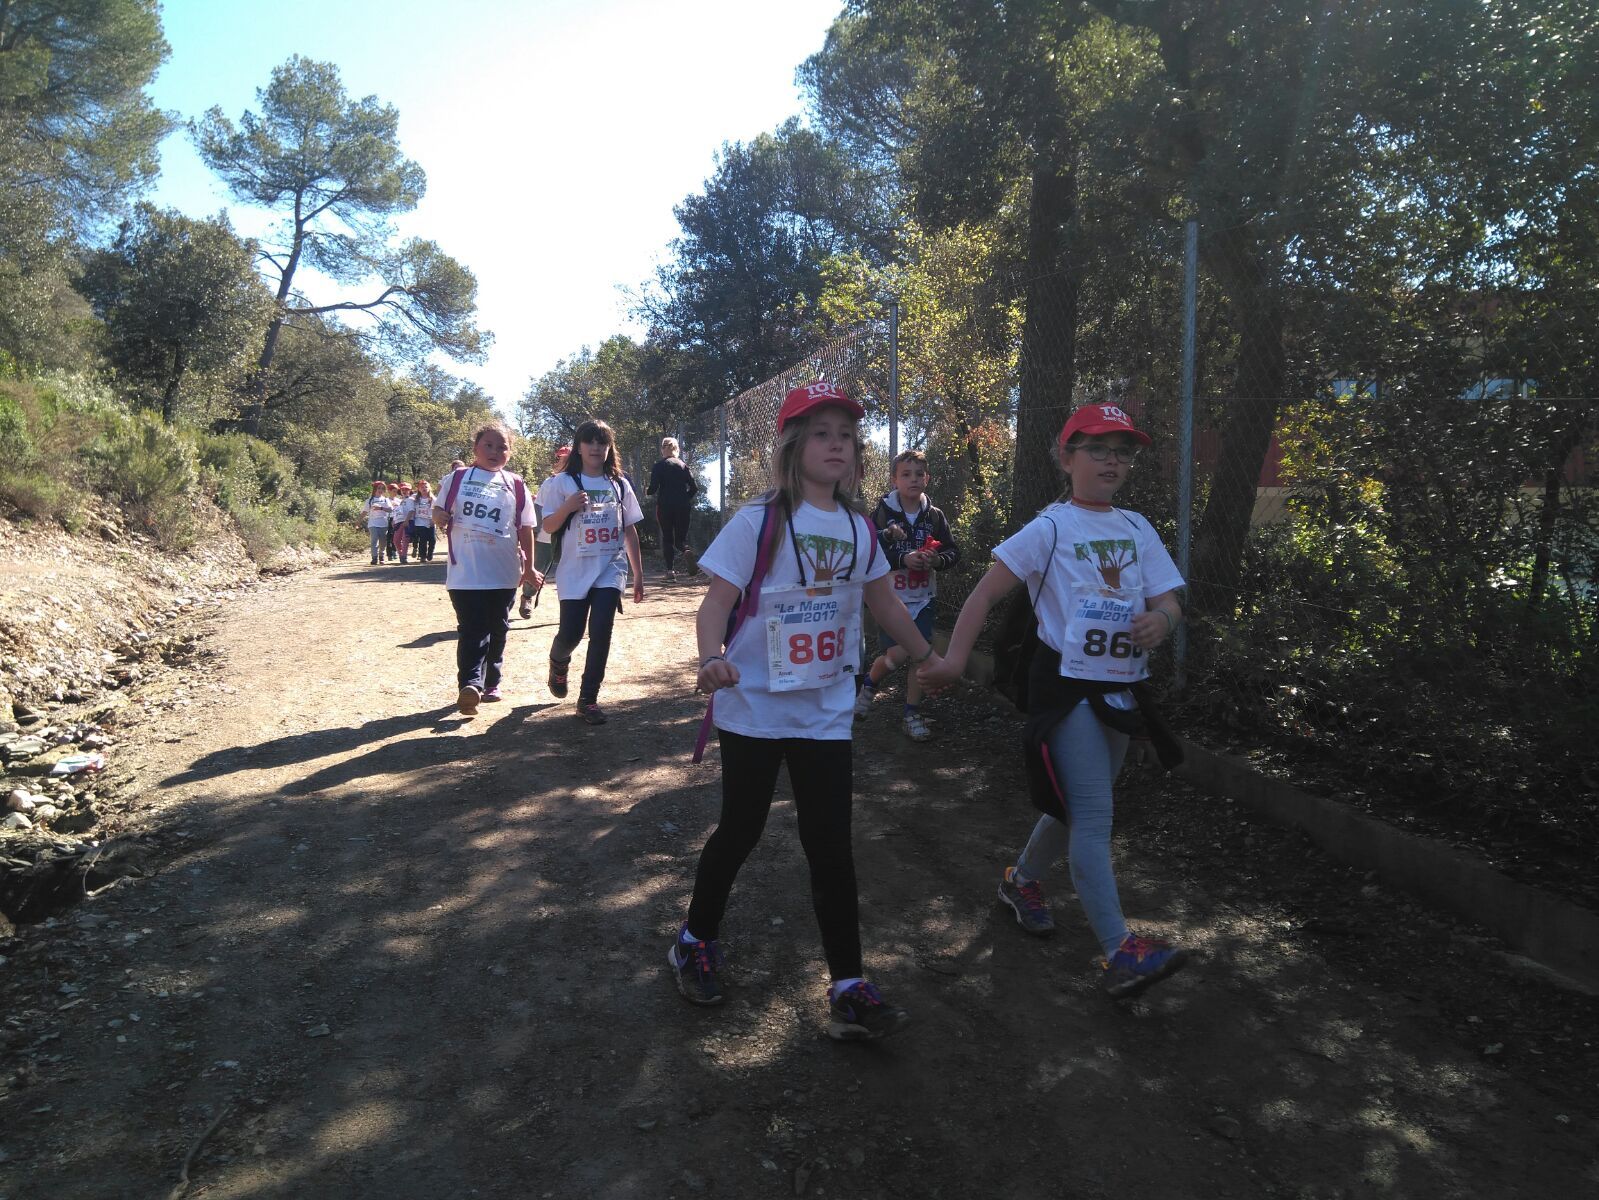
(1171, 625)
(713, 658)
(916, 662)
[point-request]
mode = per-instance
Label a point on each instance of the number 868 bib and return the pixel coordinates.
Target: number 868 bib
(812, 635)
(1099, 636)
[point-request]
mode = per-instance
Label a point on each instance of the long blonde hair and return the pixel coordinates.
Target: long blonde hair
(787, 484)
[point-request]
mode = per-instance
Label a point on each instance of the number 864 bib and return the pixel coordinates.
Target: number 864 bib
(812, 635)
(1099, 636)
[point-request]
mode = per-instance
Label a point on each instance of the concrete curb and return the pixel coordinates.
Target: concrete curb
(1555, 933)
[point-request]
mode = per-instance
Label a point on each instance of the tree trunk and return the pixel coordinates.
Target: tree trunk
(250, 420)
(1049, 335)
(1247, 424)
(1548, 518)
(169, 398)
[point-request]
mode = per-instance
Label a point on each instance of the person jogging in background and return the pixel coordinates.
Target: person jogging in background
(422, 521)
(673, 486)
(543, 551)
(1105, 592)
(376, 514)
(795, 567)
(487, 514)
(917, 542)
(593, 513)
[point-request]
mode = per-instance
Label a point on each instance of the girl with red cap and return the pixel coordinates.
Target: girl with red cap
(795, 566)
(376, 514)
(1105, 593)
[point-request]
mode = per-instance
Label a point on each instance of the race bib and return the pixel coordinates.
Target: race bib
(1099, 636)
(914, 588)
(812, 635)
(598, 527)
(488, 511)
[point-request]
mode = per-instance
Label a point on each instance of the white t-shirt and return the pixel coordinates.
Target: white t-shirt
(378, 511)
(826, 540)
(1115, 549)
(483, 524)
(593, 552)
(422, 510)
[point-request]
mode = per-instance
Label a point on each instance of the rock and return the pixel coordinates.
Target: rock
(20, 801)
(16, 821)
(1224, 1126)
(80, 820)
(22, 748)
(318, 1031)
(46, 813)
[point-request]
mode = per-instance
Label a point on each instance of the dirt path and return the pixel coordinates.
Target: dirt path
(403, 955)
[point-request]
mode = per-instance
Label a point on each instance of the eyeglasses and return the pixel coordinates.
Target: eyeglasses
(1100, 452)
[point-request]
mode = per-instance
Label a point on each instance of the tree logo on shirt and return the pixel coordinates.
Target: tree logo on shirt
(1110, 558)
(827, 555)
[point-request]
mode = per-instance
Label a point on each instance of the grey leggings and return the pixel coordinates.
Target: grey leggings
(1090, 756)
(380, 538)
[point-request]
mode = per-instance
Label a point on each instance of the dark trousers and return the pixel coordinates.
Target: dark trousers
(822, 776)
(422, 542)
(388, 542)
(597, 610)
(482, 619)
(674, 530)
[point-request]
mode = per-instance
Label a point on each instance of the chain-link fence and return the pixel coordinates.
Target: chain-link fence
(1383, 506)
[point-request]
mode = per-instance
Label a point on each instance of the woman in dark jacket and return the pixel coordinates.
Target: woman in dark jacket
(673, 486)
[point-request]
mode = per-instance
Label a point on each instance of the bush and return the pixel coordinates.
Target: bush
(150, 469)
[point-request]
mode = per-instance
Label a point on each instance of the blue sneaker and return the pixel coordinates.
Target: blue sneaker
(1139, 962)
(1027, 901)
(860, 1014)
(694, 966)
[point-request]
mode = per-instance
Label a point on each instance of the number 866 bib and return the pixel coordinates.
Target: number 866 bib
(1099, 636)
(812, 635)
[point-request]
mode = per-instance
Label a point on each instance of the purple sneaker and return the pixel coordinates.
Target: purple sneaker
(1138, 962)
(492, 695)
(860, 1014)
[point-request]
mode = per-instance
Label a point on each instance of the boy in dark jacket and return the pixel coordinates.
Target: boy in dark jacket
(917, 542)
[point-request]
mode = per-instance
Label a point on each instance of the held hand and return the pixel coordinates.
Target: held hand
(919, 560)
(534, 576)
(1150, 629)
(718, 673)
(937, 674)
(579, 502)
(638, 591)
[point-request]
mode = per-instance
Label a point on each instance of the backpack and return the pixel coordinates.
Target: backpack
(1016, 639)
(454, 489)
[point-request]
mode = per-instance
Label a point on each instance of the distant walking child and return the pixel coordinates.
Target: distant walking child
(593, 511)
(795, 566)
(1105, 592)
(404, 513)
(487, 514)
(422, 521)
(375, 514)
(917, 542)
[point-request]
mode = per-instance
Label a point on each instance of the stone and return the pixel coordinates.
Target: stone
(20, 801)
(16, 820)
(46, 813)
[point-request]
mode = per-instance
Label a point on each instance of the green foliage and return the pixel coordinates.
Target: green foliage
(183, 308)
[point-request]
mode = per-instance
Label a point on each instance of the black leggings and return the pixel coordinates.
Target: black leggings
(822, 776)
(482, 618)
(598, 609)
(674, 530)
(422, 542)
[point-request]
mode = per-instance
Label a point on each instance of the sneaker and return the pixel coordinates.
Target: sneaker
(916, 728)
(590, 712)
(557, 679)
(863, 700)
(860, 1014)
(492, 696)
(1139, 962)
(670, 577)
(525, 609)
(467, 701)
(1027, 901)
(694, 966)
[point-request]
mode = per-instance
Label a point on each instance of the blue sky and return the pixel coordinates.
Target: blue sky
(556, 136)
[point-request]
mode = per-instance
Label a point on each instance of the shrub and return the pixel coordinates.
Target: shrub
(150, 469)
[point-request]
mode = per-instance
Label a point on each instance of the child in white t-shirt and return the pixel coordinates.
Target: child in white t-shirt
(487, 515)
(375, 515)
(422, 521)
(1105, 592)
(784, 691)
(593, 511)
(403, 514)
(543, 551)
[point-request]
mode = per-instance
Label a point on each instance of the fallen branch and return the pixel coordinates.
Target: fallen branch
(188, 1161)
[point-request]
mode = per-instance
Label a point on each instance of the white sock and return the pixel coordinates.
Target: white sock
(843, 985)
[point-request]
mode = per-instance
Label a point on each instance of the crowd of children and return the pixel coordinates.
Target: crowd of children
(399, 521)
(781, 651)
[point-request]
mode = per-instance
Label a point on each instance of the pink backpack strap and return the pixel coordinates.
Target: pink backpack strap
(521, 496)
(449, 504)
(752, 598)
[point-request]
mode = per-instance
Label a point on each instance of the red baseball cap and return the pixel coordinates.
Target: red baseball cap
(801, 400)
(1100, 418)
(563, 450)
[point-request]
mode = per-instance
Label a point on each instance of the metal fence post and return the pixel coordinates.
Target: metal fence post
(1185, 435)
(893, 378)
